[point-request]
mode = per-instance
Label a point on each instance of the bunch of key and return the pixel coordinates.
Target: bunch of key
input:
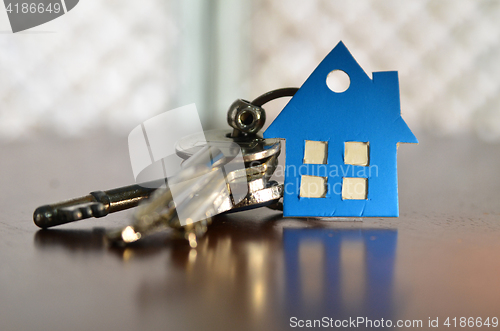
(207, 184)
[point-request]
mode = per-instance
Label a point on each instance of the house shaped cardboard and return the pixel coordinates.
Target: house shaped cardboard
(341, 147)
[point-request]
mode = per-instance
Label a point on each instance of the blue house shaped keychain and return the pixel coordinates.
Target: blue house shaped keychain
(341, 147)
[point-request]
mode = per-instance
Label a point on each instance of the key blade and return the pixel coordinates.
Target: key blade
(219, 159)
(208, 200)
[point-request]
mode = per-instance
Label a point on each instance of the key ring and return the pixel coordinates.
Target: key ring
(246, 118)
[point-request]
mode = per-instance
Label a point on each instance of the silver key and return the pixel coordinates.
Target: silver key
(209, 194)
(203, 197)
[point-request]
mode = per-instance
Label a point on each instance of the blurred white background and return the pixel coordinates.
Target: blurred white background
(109, 65)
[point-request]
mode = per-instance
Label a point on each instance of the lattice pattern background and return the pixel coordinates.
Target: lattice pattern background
(111, 64)
(103, 64)
(447, 53)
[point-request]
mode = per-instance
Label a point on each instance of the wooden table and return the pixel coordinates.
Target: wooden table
(253, 270)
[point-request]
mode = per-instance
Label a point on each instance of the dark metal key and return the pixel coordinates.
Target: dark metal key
(96, 204)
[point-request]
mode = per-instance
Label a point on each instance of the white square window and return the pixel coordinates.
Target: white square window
(316, 152)
(312, 187)
(356, 153)
(354, 188)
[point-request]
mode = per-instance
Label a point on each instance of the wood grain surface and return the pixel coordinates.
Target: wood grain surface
(253, 270)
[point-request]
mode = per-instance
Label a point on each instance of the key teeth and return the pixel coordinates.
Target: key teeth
(83, 211)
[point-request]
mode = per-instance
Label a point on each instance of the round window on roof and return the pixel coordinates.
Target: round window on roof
(338, 81)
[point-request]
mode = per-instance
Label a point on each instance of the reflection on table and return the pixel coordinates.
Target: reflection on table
(339, 273)
(249, 275)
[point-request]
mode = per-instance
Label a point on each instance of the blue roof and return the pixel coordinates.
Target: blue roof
(368, 108)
